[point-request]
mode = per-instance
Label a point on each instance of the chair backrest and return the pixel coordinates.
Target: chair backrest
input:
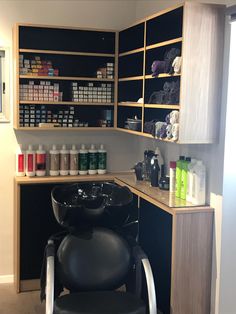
(98, 259)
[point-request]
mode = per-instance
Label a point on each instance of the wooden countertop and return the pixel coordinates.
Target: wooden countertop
(66, 179)
(163, 199)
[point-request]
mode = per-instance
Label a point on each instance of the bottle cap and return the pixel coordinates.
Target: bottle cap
(63, 147)
(181, 158)
(73, 147)
(54, 147)
(92, 146)
(188, 159)
(30, 147)
(101, 146)
(172, 164)
(40, 147)
(82, 146)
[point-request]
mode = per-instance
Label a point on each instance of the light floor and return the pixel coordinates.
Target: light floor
(23, 303)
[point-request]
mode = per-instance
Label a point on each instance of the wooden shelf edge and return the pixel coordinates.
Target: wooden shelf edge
(71, 103)
(66, 27)
(164, 43)
(147, 135)
(65, 129)
(71, 53)
(48, 179)
(130, 52)
(162, 106)
(130, 104)
(65, 78)
(161, 75)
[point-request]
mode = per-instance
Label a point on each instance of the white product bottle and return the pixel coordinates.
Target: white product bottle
(54, 161)
(190, 180)
(172, 176)
(30, 162)
(102, 160)
(160, 162)
(74, 161)
(20, 162)
(93, 168)
(83, 160)
(40, 162)
(64, 161)
(199, 183)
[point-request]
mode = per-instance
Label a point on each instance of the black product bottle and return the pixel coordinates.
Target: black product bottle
(154, 171)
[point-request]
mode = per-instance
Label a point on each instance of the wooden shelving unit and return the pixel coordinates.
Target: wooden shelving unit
(76, 60)
(148, 40)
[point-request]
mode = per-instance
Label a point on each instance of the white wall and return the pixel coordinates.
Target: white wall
(228, 273)
(121, 148)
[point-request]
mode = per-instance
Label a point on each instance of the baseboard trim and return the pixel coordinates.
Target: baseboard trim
(6, 279)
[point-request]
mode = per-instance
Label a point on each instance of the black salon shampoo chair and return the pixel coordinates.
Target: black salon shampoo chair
(92, 261)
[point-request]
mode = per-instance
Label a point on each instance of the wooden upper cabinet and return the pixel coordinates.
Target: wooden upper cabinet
(201, 80)
(197, 31)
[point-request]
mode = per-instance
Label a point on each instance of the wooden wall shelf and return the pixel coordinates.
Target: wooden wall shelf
(65, 78)
(165, 43)
(66, 129)
(65, 103)
(69, 53)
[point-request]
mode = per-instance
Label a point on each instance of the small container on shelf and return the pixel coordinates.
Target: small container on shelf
(30, 162)
(40, 161)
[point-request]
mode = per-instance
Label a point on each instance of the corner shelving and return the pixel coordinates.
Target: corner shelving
(84, 63)
(182, 27)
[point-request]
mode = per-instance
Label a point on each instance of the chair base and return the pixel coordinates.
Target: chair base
(100, 302)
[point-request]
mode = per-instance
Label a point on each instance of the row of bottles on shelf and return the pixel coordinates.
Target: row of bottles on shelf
(62, 161)
(188, 180)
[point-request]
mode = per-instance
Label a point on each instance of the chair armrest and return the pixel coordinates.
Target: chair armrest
(50, 252)
(141, 257)
(150, 286)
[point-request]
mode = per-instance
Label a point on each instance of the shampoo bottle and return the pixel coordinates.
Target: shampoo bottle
(190, 182)
(40, 161)
(199, 186)
(155, 169)
(20, 162)
(74, 161)
(54, 161)
(83, 160)
(172, 176)
(179, 166)
(64, 161)
(93, 168)
(184, 178)
(160, 162)
(30, 162)
(102, 160)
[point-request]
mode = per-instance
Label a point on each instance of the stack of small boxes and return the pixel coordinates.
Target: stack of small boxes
(33, 116)
(36, 67)
(44, 91)
(92, 92)
(107, 71)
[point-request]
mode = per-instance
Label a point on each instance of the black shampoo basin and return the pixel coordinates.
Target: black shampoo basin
(79, 203)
